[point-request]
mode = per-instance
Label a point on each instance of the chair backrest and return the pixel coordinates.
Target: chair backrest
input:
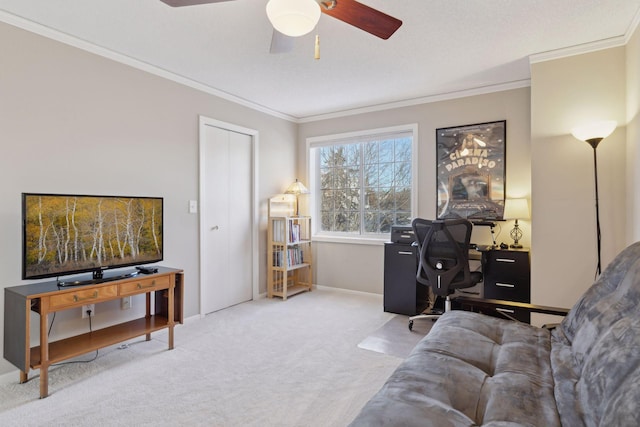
(444, 254)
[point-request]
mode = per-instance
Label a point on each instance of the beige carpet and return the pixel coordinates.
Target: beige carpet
(262, 363)
(394, 337)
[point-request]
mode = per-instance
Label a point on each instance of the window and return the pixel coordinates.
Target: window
(363, 183)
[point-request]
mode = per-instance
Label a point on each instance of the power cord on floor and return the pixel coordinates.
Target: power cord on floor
(79, 361)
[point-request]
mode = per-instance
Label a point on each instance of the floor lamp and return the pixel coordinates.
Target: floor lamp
(593, 134)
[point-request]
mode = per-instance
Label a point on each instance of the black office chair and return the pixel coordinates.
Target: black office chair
(443, 251)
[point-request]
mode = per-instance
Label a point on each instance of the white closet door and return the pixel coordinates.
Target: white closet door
(226, 224)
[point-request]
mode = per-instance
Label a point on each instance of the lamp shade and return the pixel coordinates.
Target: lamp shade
(596, 130)
(296, 188)
(293, 17)
(516, 209)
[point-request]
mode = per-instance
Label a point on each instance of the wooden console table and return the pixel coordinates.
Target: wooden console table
(44, 298)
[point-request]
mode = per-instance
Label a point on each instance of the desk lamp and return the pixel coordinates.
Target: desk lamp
(516, 209)
(297, 188)
(593, 134)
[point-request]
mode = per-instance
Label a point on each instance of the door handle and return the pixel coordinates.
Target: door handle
(214, 228)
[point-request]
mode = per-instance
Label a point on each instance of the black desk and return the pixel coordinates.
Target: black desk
(507, 276)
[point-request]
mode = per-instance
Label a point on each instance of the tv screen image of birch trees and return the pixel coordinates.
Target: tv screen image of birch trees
(75, 233)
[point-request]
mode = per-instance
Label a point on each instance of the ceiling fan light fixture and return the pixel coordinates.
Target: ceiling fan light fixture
(293, 18)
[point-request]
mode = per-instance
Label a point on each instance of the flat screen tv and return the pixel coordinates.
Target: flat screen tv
(65, 234)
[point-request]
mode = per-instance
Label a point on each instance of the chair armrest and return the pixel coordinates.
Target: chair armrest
(493, 303)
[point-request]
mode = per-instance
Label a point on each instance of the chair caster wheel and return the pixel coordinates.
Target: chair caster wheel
(411, 325)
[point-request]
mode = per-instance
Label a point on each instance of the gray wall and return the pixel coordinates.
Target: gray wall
(633, 136)
(567, 92)
(75, 122)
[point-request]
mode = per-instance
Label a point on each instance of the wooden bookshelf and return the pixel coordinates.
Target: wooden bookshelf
(289, 256)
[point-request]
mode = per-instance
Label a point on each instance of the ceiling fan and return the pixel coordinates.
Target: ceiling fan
(352, 12)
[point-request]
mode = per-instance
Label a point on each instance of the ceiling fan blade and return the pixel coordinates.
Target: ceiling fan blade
(280, 43)
(180, 3)
(361, 16)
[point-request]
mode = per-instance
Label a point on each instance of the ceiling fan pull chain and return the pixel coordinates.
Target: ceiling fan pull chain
(317, 50)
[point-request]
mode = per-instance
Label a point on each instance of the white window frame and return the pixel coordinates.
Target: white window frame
(313, 179)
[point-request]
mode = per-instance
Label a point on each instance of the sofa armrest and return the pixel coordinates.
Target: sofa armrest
(493, 303)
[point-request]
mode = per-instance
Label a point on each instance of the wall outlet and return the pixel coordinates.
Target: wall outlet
(193, 206)
(86, 308)
(125, 303)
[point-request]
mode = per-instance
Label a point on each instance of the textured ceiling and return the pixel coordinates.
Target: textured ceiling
(443, 46)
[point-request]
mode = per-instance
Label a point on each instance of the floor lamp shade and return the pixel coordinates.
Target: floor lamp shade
(592, 134)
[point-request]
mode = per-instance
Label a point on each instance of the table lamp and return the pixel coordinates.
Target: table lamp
(516, 209)
(297, 188)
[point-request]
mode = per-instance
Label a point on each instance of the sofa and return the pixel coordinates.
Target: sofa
(476, 370)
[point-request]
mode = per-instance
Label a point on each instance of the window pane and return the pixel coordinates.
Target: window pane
(372, 222)
(403, 199)
(347, 221)
(385, 175)
(371, 175)
(326, 157)
(402, 174)
(326, 178)
(371, 152)
(353, 178)
(403, 150)
(386, 221)
(386, 199)
(371, 199)
(403, 218)
(365, 186)
(386, 151)
(326, 220)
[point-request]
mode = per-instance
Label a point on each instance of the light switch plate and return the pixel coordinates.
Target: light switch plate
(193, 206)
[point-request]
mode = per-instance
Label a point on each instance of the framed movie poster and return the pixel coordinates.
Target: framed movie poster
(471, 171)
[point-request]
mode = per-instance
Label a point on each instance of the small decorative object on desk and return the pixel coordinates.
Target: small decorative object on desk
(516, 209)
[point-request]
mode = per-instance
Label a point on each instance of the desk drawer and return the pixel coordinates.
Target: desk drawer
(81, 297)
(144, 285)
(507, 276)
(509, 290)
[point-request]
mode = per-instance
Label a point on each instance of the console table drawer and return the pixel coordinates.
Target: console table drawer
(144, 285)
(82, 297)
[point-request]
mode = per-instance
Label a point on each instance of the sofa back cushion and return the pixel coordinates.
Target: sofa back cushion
(596, 350)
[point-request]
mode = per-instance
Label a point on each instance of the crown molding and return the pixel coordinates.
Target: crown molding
(578, 49)
(421, 100)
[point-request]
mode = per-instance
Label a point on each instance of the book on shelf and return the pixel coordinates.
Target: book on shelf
(294, 233)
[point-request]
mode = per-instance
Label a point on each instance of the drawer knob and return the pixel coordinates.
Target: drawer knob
(505, 260)
(76, 298)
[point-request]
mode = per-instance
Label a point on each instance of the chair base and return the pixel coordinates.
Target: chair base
(432, 316)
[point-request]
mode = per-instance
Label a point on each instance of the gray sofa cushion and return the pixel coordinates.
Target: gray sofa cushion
(596, 350)
(472, 370)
